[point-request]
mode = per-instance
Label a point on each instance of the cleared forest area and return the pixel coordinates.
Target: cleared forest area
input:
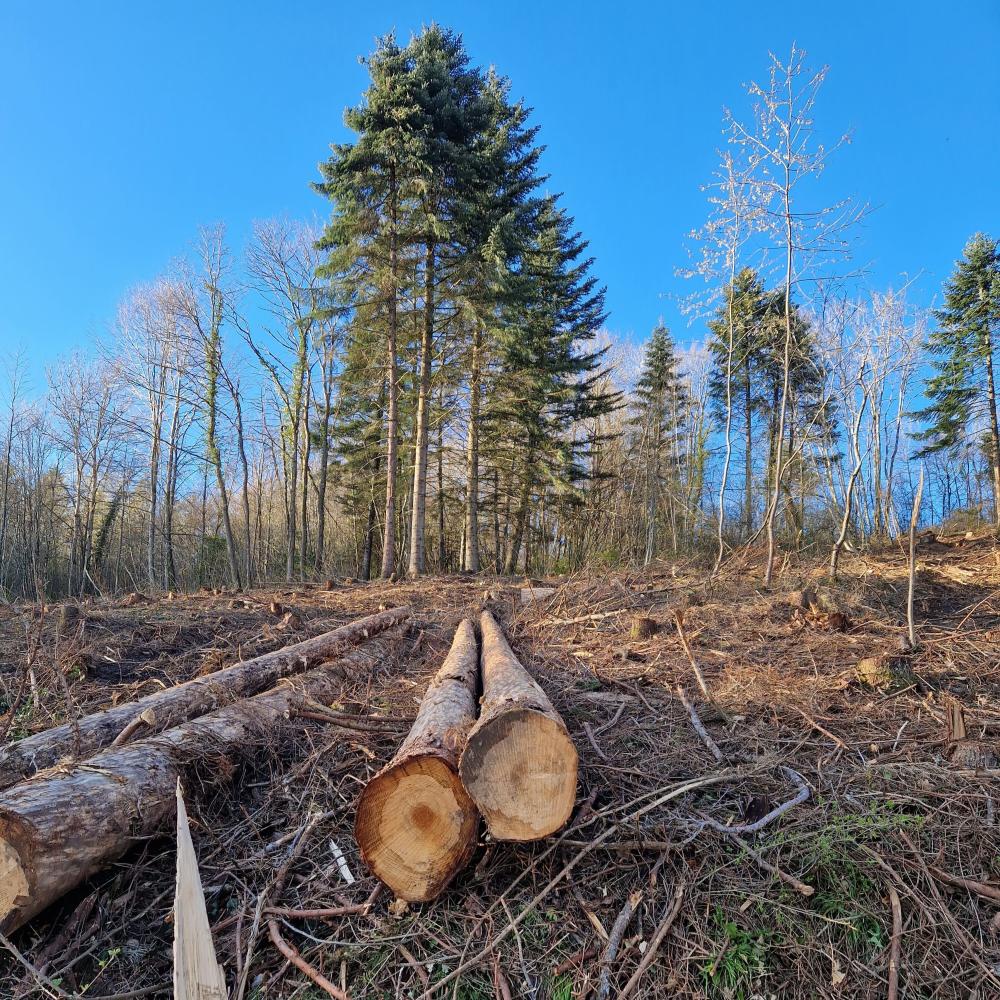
(391, 608)
(775, 796)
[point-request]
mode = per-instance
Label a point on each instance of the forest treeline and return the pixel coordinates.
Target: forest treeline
(425, 383)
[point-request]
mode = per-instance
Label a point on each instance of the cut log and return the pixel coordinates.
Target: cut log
(416, 825)
(519, 764)
(59, 828)
(530, 595)
(87, 736)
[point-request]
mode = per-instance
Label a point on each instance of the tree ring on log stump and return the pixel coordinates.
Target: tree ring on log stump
(416, 827)
(521, 771)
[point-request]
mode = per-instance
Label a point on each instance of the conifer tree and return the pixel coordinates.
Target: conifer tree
(658, 417)
(453, 117)
(498, 223)
(373, 183)
(550, 379)
(962, 392)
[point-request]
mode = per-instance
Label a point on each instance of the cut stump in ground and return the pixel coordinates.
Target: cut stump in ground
(519, 764)
(416, 825)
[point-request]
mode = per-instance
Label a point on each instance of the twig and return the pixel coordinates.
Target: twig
(800, 796)
(575, 960)
(301, 964)
(615, 942)
(819, 729)
(673, 908)
(46, 984)
(796, 884)
(612, 722)
(412, 962)
(897, 931)
(699, 676)
(699, 726)
(147, 718)
(990, 892)
(631, 818)
(593, 742)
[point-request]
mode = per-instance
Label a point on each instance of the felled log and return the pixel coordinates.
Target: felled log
(92, 733)
(416, 825)
(519, 764)
(59, 828)
(531, 594)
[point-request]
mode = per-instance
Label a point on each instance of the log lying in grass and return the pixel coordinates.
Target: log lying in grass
(519, 764)
(59, 828)
(185, 701)
(416, 825)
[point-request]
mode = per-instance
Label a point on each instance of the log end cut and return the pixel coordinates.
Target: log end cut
(15, 891)
(521, 769)
(416, 827)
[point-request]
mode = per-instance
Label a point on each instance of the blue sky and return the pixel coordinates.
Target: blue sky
(125, 126)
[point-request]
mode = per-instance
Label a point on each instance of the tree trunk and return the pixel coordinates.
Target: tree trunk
(417, 525)
(80, 739)
(775, 498)
(519, 764)
(845, 523)
(991, 405)
(748, 458)
(57, 831)
(392, 374)
(324, 463)
(416, 825)
(154, 482)
(470, 558)
(520, 521)
(213, 358)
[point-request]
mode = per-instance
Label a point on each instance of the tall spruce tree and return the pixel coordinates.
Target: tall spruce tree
(454, 118)
(550, 377)
(659, 415)
(374, 184)
(498, 223)
(962, 392)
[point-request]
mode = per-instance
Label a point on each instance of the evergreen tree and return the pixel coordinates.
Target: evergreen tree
(498, 223)
(550, 380)
(962, 392)
(373, 184)
(454, 117)
(659, 414)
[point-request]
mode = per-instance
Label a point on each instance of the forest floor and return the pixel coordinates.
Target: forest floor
(889, 850)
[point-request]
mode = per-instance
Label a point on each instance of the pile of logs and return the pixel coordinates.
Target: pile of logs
(516, 766)
(101, 794)
(75, 798)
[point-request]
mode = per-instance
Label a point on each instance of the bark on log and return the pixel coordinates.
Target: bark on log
(87, 736)
(519, 764)
(59, 828)
(416, 825)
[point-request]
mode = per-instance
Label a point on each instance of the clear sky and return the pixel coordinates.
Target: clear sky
(126, 125)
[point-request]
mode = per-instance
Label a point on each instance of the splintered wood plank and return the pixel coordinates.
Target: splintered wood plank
(197, 973)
